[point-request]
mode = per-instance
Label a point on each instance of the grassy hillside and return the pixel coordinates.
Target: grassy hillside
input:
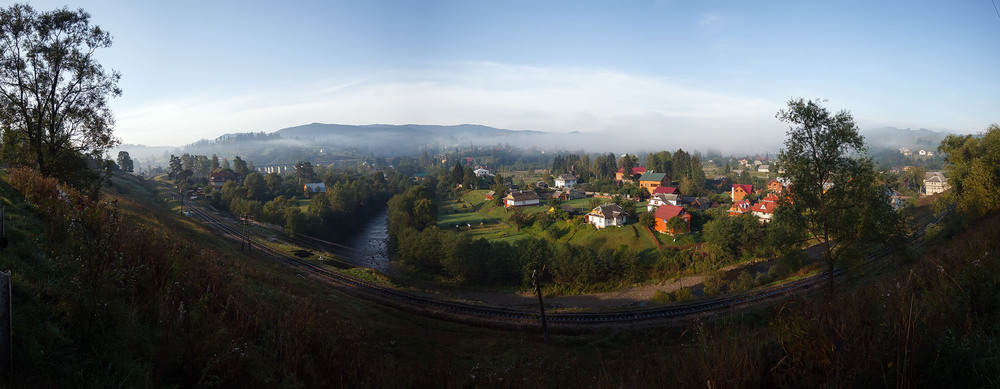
(128, 293)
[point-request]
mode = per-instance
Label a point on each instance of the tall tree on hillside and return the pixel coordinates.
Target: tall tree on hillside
(240, 166)
(681, 164)
(213, 163)
(837, 193)
(53, 92)
(457, 174)
(583, 171)
(202, 166)
(175, 166)
(125, 162)
(304, 172)
(558, 164)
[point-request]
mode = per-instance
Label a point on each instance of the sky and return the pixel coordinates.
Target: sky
(677, 73)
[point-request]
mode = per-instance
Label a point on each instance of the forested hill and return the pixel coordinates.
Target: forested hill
(894, 138)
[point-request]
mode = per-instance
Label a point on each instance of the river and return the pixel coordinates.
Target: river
(371, 245)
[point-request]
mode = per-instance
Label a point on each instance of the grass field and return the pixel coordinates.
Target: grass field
(473, 215)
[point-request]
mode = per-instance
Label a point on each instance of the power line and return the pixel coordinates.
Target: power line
(995, 7)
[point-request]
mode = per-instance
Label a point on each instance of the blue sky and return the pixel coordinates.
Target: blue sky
(658, 71)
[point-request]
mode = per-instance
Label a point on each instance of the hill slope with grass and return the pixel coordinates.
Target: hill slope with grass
(127, 292)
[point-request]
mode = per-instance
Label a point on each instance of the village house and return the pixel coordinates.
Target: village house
(665, 213)
(218, 177)
(636, 172)
(607, 215)
(523, 198)
(565, 181)
(313, 187)
(935, 182)
(775, 186)
(662, 199)
(764, 210)
(665, 190)
(481, 172)
(740, 207)
(490, 195)
(699, 203)
(652, 180)
(740, 191)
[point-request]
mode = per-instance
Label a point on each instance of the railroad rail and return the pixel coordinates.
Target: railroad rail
(517, 318)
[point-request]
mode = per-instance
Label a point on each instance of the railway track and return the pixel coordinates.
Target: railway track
(515, 318)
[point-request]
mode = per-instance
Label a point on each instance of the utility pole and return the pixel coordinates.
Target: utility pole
(245, 239)
(541, 306)
(3, 231)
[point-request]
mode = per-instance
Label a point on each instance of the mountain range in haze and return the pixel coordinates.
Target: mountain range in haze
(287, 145)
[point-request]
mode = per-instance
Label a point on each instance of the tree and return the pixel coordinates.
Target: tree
(305, 173)
(256, 187)
(53, 92)
(175, 166)
(676, 225)
(835, 188)
(626, 163)
(469, 178)
(647, 219)
(457, 174)
(125, 162)
(974, 163)
(240, 166)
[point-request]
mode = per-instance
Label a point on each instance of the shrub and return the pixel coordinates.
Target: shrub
(661, 297)
(683, 294)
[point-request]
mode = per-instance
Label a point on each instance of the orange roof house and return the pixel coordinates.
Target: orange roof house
(740, 207)
(740, 191)
(664, 213)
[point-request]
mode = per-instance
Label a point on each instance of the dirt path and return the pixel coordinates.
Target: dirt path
(636, 296)
(626, 297)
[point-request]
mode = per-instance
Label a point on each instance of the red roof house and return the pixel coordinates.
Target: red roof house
(740, 191)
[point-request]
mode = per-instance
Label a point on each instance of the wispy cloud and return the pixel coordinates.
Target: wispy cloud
(710, 20)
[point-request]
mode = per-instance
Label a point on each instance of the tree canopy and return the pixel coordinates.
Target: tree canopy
(53, 91)
(835, 189)
(974, 171)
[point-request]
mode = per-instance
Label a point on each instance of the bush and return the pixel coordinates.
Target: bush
(744, 281)
(715, 283)
(661, 297)
(683, 294)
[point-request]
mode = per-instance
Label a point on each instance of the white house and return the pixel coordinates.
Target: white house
(607, 215)
(565, 181)
(523, 198)
(482, 172)
(935, 182)
(662, 199)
